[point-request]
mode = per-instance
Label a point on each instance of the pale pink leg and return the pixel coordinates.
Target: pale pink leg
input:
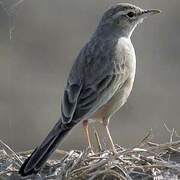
(86, 134)
(109, 138)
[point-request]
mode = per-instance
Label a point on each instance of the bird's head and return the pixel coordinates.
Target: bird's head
(124, 17)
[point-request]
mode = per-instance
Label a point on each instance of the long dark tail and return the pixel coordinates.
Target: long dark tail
(33, 164)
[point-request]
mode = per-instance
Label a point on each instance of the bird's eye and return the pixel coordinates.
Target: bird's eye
(131, 14)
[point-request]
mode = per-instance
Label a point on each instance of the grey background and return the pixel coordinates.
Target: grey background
(47, 37)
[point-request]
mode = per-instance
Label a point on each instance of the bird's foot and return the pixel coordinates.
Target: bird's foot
(89, 150)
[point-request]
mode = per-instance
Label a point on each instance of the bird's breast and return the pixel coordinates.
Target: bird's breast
(125, 56)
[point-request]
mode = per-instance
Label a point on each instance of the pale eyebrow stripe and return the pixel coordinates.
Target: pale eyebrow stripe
(121, 13)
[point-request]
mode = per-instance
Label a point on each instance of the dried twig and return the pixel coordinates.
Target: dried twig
(13, 153)
(145, 160)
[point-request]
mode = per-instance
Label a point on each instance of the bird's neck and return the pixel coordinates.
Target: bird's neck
(106, 31)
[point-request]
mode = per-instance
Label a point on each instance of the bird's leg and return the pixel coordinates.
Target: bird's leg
(86, 134)
(109, 138)
(98, 141)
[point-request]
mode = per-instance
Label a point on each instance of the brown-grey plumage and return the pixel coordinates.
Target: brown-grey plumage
(100, 80)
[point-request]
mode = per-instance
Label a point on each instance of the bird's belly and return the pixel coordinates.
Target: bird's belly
(115, 103)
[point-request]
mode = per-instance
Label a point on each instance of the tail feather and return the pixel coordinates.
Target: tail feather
(33, 164)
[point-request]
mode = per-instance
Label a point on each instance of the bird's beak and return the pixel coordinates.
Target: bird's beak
(148, 12)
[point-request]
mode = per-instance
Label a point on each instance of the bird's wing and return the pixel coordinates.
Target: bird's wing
(92, 82)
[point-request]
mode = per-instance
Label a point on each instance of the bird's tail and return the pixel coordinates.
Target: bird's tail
(33, 164)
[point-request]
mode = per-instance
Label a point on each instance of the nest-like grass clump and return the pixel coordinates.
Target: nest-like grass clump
(146, 160)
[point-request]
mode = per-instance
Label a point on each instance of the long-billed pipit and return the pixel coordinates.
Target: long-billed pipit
(99, 82)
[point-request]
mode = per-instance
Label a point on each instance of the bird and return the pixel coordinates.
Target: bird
(99, 82)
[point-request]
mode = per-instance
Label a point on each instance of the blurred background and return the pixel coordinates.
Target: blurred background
(40, 39)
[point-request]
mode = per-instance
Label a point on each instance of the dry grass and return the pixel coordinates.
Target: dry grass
(146, 160)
